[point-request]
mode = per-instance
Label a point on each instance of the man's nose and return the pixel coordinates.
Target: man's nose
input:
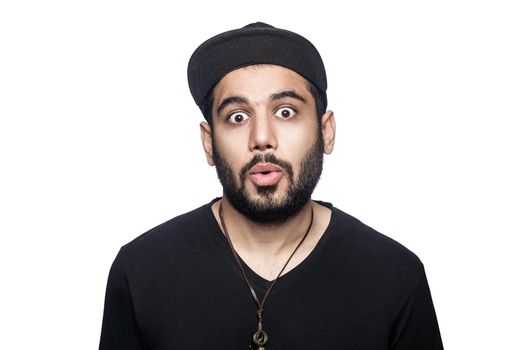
(262, 133)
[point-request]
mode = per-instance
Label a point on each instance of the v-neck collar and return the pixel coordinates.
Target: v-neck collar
(259, 282)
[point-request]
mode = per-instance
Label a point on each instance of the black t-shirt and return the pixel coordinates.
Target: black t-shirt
(178, 287)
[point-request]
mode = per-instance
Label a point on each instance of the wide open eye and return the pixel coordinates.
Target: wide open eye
(238, 117)
(285, 112)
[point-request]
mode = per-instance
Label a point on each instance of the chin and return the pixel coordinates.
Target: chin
(276, 194)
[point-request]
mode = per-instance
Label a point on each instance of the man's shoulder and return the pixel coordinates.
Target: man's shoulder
(368, 247)
(364, 236)
(176, 233)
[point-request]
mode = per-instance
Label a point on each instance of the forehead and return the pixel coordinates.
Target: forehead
(259, 81)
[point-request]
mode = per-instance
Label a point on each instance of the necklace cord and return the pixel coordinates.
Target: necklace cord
(260, 305)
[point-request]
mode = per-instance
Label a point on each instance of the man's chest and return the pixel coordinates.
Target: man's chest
(220, 313)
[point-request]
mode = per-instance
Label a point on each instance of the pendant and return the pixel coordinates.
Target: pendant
(260, 338)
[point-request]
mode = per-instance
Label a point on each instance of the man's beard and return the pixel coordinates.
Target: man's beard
(267, 208)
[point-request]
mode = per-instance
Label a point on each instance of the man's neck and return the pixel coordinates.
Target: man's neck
(266, 247)
(271, 238)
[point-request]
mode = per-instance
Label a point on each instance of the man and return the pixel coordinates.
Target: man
(265, 266)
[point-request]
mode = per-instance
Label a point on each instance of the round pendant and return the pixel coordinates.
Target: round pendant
(260, 338)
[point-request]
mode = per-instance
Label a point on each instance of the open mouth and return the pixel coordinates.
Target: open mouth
(265, 174)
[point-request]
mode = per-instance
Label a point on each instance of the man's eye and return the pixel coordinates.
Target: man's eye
(238, 117)
(285, 112)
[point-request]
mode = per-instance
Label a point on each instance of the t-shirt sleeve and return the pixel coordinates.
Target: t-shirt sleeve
(119, 326)
(416, 327)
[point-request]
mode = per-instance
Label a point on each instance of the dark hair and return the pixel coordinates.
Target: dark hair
(319, 98)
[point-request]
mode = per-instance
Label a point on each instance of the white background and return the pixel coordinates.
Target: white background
(99, 142)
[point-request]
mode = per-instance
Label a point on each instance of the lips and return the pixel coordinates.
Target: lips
(265, 174)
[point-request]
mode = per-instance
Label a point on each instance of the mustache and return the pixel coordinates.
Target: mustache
(267, 158)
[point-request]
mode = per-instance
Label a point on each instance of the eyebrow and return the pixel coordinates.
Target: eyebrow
(287, 93)
(231, 100)
(273, 97)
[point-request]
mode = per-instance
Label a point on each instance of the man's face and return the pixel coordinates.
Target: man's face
(267, 144)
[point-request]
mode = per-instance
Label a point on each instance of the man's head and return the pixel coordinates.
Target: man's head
(267, 129)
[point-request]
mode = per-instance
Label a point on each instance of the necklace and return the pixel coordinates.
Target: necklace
(260, 337)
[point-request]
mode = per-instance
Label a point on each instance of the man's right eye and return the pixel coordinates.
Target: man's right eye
(238, 117)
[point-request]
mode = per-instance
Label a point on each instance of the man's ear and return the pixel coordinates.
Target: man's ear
(207, 141)
(328, 129)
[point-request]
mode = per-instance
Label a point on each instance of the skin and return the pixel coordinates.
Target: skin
(284, 126)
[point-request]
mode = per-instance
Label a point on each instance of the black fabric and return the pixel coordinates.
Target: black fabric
(178, 287)
(256, 43)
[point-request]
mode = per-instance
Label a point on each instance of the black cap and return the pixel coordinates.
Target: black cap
(256, 43)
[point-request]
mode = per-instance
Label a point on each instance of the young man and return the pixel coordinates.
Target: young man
(265, 266)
